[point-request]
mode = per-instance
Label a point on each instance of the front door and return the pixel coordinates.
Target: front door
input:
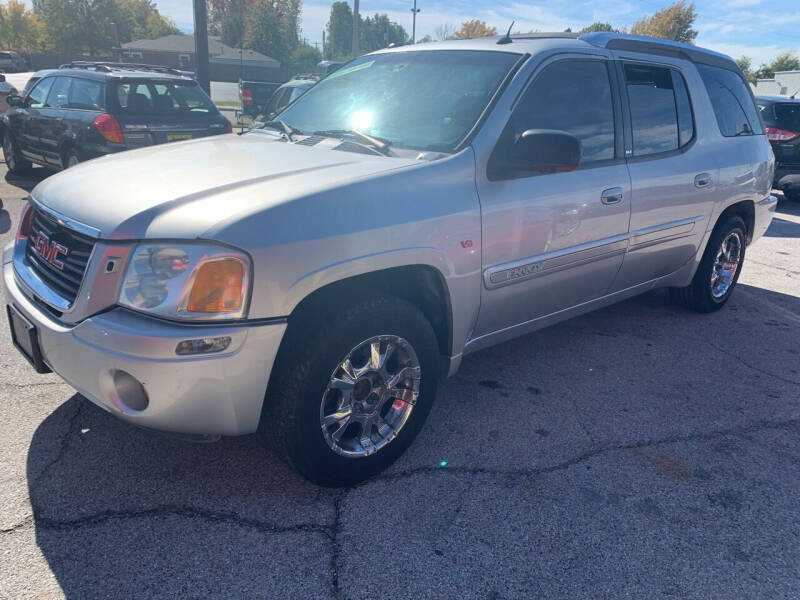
(553, 241)
(30, 124)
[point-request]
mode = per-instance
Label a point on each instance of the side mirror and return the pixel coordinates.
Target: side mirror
(15, 100)
(546, 151)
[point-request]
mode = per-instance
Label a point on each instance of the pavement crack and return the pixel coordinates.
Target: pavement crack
(589, 454)
(178, 511)
(336, 546)
(24, 524)
(63, 447)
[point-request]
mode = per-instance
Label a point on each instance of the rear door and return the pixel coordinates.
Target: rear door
(673, 173)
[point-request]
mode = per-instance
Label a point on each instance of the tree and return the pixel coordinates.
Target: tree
(671, 23)
(785, 61)
(444, 32)
(74, 26)
(304, 59)
(19, 28)
(745, 64)
(339, 45)
(474, 29)
(425, 39)
(378, 32)
(273, 28)
(597, 26)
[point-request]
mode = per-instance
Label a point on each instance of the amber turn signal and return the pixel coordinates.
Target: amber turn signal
(218, 287)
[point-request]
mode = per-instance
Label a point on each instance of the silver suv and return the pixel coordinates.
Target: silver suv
(311, 280)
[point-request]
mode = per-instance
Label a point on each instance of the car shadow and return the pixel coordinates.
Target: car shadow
(28, 181)
(5, 219)
(123, 512)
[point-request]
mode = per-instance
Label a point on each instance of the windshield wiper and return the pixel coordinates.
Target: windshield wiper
(284, 127)
(379, 144)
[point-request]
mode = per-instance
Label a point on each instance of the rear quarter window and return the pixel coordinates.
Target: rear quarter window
(733, 103)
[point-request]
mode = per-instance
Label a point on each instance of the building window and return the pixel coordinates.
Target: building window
(184, 59)
(135, 55)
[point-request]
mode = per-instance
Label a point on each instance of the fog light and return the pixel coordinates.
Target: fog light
(203, 345)
(130, 391)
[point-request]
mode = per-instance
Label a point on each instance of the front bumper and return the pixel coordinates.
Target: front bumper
(214, 394)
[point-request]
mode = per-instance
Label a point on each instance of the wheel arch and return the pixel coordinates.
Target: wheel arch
(746, 209)
(422, 285)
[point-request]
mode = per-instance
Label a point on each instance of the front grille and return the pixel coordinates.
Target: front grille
(67, 281)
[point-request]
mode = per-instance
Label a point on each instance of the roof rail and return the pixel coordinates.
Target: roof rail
(109, 66)
(650, 45)
(310, 76)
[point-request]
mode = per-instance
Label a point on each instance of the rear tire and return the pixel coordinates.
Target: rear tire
(70, 159)
(306, 391)
(14, 161)
(719, 269)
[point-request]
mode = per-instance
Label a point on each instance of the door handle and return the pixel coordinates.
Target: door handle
(702, 180)
(611, 195)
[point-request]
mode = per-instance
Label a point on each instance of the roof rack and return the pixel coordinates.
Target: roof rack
(107, 67)
(641, 43)
(309, 76)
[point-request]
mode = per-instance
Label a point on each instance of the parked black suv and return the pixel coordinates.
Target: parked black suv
(85, 110)
(781, 118)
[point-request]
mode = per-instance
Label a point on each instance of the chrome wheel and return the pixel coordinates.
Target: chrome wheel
(370, 396)
(8, 152)
(726, 264)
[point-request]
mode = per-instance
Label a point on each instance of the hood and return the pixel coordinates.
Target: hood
(183, 189)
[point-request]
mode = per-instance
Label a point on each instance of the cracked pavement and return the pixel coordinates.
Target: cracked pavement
(640, 451)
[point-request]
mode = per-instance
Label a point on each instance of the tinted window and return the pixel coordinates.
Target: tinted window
(39, 93)
(654, 114)
(572, 96)
(685, 120)
(163, 97)
(733, 104)
(59, 93)
(87, 95)
(787, 116)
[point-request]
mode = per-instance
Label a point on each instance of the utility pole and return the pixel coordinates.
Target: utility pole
(414, 12)
(201, 45)
(356, 20)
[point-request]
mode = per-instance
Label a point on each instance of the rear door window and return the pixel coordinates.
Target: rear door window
(87, 94)
(654, 109)
(732, 101)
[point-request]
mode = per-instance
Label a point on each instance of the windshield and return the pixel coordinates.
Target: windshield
(159, 97)
(424, 99)
(788, 116)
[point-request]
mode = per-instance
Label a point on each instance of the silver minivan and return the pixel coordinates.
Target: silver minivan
(310, 280)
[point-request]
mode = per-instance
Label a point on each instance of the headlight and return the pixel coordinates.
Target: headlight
(187, 281)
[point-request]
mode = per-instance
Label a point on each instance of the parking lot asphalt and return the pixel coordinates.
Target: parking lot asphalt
(642, 451)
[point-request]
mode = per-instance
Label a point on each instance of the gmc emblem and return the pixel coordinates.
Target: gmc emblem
(49, 250)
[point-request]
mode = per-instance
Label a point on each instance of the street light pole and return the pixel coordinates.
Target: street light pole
(414, 12)
(356, 20)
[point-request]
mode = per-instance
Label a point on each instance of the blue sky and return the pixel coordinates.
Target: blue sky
(756, 28)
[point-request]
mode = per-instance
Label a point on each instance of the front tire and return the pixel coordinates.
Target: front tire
(70, 159)
(719, 269)
(351, 391)
(14, 161)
